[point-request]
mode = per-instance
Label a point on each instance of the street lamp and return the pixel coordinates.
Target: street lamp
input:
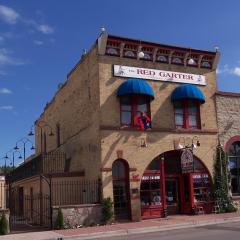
(24, 141)
(42, 125)
(13, 156)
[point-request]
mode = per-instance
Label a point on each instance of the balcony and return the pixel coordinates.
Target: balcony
(47, 163)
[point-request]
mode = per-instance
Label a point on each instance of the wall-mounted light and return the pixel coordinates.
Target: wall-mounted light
(143, 142)
(141, 54)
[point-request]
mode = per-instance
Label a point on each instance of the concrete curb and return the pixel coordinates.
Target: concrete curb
(136, 231)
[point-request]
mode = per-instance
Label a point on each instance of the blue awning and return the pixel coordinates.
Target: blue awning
(187, 91)
(135, 86)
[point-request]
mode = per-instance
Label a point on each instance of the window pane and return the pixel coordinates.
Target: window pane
(118, 169)
(126, 118)
(193, 120)
(154, 165)
(178, 107)
(192, 108)
(142, 104)
(179, 120)
(126, 103)
(155, 198)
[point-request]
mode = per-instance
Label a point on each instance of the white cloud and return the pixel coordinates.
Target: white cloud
(225, 69)
(236, 71)
(45, 29)
(5, 91)
(38, 42)
(6, 107)
(8, 15)
(7, 59)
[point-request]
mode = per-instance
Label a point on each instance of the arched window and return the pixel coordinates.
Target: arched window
(131, 108)
(187, 114)
(120, 176)
(234, 165)
(162, 58)
(112, 51)
(129, 54)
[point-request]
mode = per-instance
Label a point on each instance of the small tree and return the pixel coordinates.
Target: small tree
(3, 225)
(107, 209)
(222, 178)
(60, 219)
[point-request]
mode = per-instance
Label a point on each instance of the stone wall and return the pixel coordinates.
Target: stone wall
(79, 215)
(228, 114)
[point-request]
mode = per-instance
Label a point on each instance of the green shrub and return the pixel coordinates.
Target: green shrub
(60, 219)
(231, 208)
(3, 225)
(107, 209)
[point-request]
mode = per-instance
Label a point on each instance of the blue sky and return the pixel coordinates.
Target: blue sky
(40, 41)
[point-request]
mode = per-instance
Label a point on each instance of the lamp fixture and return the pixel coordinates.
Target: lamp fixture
(51, 134)
(16, 147)
(216, 47)
(141, 54)
(103, 29)
(31, 133)
(191, 61)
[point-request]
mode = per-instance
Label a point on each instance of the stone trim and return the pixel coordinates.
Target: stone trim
(187, 131)
(76, 206)
(227, 94)
(230, 142)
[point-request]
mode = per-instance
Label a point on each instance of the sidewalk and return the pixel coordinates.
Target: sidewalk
(123, 229)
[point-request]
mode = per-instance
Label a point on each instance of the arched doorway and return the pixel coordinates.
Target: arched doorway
(165, 190)
(120, 176)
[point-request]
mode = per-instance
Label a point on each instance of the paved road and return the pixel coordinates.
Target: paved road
(227, 231)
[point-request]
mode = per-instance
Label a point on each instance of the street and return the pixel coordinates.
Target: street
(229, 231)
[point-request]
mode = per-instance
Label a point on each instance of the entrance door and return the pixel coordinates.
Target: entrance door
(121, 189)
(172, 195)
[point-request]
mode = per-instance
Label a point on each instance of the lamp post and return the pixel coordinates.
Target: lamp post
(42, 125)
(13, 156)
(24, 141)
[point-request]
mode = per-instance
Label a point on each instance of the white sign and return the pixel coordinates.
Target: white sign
(158, 75)
(150, 177)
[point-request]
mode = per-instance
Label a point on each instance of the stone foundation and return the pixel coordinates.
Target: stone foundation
(76, 216)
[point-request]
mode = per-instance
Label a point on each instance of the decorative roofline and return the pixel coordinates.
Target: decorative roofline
(130, 48)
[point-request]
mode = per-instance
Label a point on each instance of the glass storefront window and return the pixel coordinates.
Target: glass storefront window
(201, 186)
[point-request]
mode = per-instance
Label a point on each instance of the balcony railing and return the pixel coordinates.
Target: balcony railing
(47, 163)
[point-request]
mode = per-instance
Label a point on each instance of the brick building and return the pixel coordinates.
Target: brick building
(126, 114)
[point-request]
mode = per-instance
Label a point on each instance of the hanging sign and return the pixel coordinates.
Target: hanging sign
(158, 75)
(187, 161)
